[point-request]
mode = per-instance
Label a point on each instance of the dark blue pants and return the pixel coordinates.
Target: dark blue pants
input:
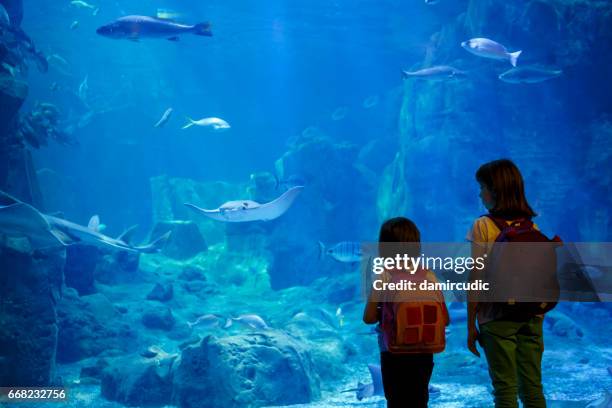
(406, 379)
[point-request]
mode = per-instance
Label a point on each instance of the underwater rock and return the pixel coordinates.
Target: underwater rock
(158, 317)
(94, 371)
(137, 381)
(29, 290)
(192, 272)
(258, 369)
(84, 330)
(185, 241)
(81, 261)
(161, 291)
(120, 267)
(12, 94)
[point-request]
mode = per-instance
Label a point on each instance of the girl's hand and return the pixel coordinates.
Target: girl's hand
(472, 338)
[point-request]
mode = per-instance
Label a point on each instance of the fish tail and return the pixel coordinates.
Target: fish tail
(514, 57)
(189, 124)
(405, 74)
(203, 29)
(321, 250)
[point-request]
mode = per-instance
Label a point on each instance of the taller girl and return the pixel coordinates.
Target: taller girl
(513, 346)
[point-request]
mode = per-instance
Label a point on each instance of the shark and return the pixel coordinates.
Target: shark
(47, 231)
(248, 210)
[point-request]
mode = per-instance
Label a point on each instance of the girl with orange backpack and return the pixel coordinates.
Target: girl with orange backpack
(411, 326)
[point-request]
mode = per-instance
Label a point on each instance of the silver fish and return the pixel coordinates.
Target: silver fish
(486, 48)
(529, 75)
(136, 27)
(436, 73)
(346, 251)
(165, 117)
(207, 321)
(251, 320)
(215, 124)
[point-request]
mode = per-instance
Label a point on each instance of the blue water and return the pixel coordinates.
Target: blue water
(326, 75)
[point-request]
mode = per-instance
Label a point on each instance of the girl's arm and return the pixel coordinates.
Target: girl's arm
(370, 313)
(477, 251)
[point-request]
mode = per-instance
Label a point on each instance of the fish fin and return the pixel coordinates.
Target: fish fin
(514, 57)
(203, 29)
(175, 38)
(7, 199)
(321, 250)
(189, 124)
(126, 236)
(94, 223)
(228, 323)
(156, 245)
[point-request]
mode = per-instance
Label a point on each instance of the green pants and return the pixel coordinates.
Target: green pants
(514, 355)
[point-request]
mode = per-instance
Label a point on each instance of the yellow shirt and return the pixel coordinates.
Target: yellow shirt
(484, 232)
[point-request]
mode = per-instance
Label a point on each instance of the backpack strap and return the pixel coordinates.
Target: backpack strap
(500, 223)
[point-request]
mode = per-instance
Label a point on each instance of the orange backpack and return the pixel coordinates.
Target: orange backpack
(414, 327)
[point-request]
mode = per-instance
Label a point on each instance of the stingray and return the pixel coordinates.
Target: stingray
(247, 210)
(375, 388)
(370, 389)
(47, 231)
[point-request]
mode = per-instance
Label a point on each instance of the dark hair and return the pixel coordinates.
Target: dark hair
(399, 230)
(504, 180)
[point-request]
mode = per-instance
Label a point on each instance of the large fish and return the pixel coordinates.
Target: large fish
(529, 75)
(136, 27)
(486, 48)
(436, 73)
(247, 210)
(46, 231)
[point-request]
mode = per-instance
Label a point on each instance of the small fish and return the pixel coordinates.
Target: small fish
(165, 117)
(9, 68)
(486, 48)
(345, 252)
(95, 12)
(436, 73)
(74, 24)
(82, 4)
(83, 89)
(208, 321)
(215, 124)
(340, 317)
(136, 27)
(529, 75)
(59, 63)
(431, 2)
(370, 101)
(251, 320)
(339, 113)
